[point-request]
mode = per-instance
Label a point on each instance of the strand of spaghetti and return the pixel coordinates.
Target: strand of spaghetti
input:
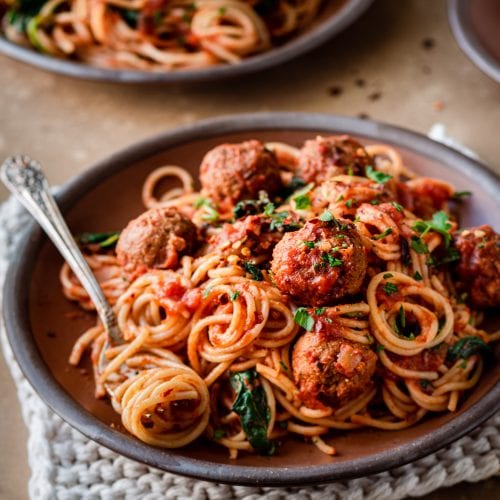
(326, 422)
(393, 426)
(153, 179)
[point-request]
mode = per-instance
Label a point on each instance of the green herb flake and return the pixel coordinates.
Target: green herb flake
(379, 348)
(326, 216)
(460, 195)
(330, 260)
(253, 270)
(283, 366)
(304, 319)
(466, 347)
(424, 383)
(377, 176)
(390, 288)
(233, 295)
(417, 276)
(206, 292)
(219, 434)
(309, 244)
(269, 209)
(302, 202)
(318, 311)
(419, 245)
(104, 240)
(388, 275)
(348, 203)
(383, 234)
(438, 223)
(397, 206)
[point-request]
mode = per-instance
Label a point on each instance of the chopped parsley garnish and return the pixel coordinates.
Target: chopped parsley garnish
(319, 311)
(417, 276)
(424, 383)
(349, 203)
(331, 260)
(309, 244)
(439, 223)
(269, 209)
(304, 319)
(379, 348)
(376, 175)
(104, 240)
(390, 288)
(206, 292)
(283, 366)
(397, 206)
(400, 323)
(278, 222)
(219, 434)
(301, 198)
(211, 214)
(388, 275)
(326, 216)
(383, 234)
(233, 295)
(375, 201)
(302, 202)
(252, 270)
(459, 195)
(466, 347)
(419, 245)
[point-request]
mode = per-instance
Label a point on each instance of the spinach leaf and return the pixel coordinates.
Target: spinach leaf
(252, 270)
(104, 240)
(251, 406)
(22, 11)
(466, 347)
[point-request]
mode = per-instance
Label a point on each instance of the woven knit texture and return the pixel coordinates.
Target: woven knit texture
(66, 465)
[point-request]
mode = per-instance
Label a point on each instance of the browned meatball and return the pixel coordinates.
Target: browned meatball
(325, 157)
(253, 235)
(330, 370)
(155, 240)
(320, 263)
(233, 172)
(479, 265)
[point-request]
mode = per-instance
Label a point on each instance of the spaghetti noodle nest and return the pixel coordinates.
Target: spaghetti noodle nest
(154, 35)
(252, 334)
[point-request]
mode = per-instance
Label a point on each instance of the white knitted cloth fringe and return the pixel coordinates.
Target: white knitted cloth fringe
(66, 465)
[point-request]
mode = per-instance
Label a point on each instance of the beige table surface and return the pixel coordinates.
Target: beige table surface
(378, 68)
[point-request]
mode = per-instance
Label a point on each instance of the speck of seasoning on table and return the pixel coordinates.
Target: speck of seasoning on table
(335, 90)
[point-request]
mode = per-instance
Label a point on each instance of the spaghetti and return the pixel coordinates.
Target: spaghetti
(255, 334)
(155, 35)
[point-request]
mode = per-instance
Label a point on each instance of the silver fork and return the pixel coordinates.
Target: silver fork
(25, 179)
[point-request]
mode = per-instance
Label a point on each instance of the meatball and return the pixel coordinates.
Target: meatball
(254, 235)
(330, 370)
(326, 157)
(344, 193)
(155, 240)
(424, 196)
(478, 269)
(321, 263)
(233, 172)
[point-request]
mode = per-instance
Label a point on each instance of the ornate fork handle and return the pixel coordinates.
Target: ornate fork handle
(25, 179)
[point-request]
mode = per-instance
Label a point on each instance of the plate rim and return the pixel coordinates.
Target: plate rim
(327, 29)
(467, 40)
(38, 373)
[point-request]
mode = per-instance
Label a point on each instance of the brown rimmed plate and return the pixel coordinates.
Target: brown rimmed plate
(42, 325)
(475, 25)
(335, 16)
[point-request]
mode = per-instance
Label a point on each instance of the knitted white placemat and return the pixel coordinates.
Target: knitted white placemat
(66, 465)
